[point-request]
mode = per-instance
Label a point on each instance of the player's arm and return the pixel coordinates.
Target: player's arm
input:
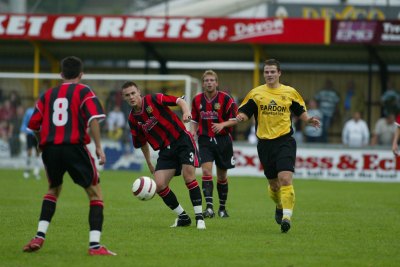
(185, 109)
(95, 133)
(194, 127)
(217, 127)
(310, 120)
(247, 109)
(146, 153)
(242, 117)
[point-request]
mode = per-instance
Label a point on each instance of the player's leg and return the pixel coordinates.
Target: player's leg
(55, 172)
(285, 163)
(47, 211)
(189, 158)
(188, 173)
(208, 188)
(224, 160)
(274, 193)
(162, 179)
(29, 148)
(287, 198)
(96, 219)
(207, 184)
(268, 153)
(82, 169)
(222, 188)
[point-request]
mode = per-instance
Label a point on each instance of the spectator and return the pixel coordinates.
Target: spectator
(311, 133)
(15, 100)
(297, 126)
(14, 131)
(251, 136)
(327, 99)
(390, 101)
(353, 101)
(6, 111)
(384, 131)
(355, 132)
(115, 123)
(32, 162)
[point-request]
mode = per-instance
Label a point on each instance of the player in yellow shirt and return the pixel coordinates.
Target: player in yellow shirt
(272, 105)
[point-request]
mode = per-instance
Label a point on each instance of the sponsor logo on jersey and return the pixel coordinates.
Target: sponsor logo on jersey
(272, 108)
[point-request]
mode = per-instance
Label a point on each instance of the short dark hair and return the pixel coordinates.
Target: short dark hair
(71, 67)
(272, 62)
(129, 84)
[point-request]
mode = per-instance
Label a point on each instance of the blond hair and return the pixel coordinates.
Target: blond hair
(211, 73)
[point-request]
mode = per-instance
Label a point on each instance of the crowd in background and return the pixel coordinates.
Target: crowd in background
(326, 105)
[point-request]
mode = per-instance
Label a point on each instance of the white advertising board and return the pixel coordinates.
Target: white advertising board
(328, 164)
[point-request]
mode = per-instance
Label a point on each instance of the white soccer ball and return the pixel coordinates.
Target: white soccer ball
(144, 188)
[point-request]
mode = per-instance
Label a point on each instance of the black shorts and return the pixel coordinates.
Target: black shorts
(31, 141)
(277, 155)
(182, 151)
(74, 159)
(218, 149)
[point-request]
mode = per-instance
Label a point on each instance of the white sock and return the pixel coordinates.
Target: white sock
(43, 226)
(198, 209)
(287, 213)
(94, 236)
(178, 210)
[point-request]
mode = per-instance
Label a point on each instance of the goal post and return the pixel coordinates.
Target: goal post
(181, 84)
(107, 88)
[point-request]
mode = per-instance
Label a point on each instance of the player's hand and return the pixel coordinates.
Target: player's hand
(216, 127)
(187, 117)
(100, 156)
(241, 117)
(314, 122)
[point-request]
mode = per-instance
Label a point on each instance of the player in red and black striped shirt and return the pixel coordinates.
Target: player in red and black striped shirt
(152, 122)
(60, 121)
(213, 115)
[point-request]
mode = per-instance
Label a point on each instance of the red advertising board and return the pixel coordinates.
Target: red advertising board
(165, 29)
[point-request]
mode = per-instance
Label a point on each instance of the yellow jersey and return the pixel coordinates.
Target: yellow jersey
(272, 109)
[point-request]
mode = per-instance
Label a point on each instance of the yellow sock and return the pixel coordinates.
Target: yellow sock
(276, 197)
(287, 198)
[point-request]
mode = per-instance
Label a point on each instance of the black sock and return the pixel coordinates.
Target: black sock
(96, 215)
(222, 187)
(169, 198)
(208, 187)
(194, 193)
(48, 208)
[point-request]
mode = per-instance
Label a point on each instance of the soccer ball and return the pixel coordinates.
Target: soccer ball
(144, 188)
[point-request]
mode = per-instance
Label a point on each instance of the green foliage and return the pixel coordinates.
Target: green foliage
(334, 224)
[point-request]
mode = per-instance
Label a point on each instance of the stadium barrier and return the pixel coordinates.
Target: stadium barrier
(317, 162)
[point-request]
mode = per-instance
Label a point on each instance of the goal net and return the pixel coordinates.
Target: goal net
(116, 140)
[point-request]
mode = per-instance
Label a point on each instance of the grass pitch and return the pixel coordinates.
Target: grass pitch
(334, 224)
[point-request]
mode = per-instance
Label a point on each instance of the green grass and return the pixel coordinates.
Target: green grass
(334, 224)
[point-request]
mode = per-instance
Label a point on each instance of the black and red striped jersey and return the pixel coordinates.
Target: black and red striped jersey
(218, 109)
(63, 113)
(155, 123)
